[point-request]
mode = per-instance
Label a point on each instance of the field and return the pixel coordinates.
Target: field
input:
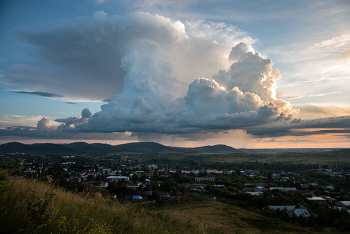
(306, 158)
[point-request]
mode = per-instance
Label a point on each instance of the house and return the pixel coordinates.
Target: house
(319, 200)
(132, 197)
(200, 179)
(286, 189)
(104, 184)
(132, 185)
(113, 195)
(152, 166)
(306, 192)
(117, 178)
(144, 193)
(255, 184)
(94, 173)
(256, 193)
(345, 204)
(163, 194)
(296, 211)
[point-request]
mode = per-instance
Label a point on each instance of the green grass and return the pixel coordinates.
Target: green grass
(31, 207)
(25, 207)
(225, 218)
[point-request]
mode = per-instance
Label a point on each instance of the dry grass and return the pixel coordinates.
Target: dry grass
(224, 218)
(72, 212)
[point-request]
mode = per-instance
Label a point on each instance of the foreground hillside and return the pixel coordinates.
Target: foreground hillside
(31, 207)
(226, 218)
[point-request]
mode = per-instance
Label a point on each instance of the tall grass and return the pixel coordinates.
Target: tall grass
(32, 207)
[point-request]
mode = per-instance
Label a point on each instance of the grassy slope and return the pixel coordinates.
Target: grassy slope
(71, 213)
(227, 218)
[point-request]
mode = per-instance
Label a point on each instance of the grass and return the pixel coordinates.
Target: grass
(28, 207)
(31, 207)
(224, 218)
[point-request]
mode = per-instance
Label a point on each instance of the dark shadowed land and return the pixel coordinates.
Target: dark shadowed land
(215, 153)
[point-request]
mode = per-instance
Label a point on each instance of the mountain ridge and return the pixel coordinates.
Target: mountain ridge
(85, 148)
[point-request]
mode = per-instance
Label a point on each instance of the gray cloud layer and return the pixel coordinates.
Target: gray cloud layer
(41, 94)
(89, 58)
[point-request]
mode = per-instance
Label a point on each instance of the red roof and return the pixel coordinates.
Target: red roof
(163, 193)
(94, 173)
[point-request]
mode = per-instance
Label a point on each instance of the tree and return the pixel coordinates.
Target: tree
(134, 178)
(301, 220)
(90, 178)
(148, 187)
(155, 196)
(168, 186)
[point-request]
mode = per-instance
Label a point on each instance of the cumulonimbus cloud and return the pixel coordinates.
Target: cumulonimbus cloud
(243, 96)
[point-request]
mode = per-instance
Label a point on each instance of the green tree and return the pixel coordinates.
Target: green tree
(3, 174)
(135, 178)
(148, 187)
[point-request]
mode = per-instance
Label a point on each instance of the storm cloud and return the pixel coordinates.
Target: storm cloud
(244, 96)
(88, 58)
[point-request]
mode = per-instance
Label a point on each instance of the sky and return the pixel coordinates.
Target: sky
(248, 74)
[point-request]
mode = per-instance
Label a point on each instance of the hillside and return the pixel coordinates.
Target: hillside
(226, 218)
(32, 207)
(85, 148)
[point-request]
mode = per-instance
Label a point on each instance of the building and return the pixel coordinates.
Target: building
(200, 179)
(255, 184)
(144, 193)
(345, 204)
(132, 185)
(296, 211)
(319, 200)
(286, 189)
(133, 197)
(163, 194)
(117, 178)
(152, 166)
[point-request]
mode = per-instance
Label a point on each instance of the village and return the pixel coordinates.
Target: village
(307, 195)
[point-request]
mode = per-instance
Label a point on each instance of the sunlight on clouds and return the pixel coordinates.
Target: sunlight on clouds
(21, 120)
(314, 141)
(335, 41)
(310, 110)
(320, 69)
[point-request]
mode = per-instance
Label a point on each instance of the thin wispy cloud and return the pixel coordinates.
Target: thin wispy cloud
(294, 97)
(41, 94)
(322, 94)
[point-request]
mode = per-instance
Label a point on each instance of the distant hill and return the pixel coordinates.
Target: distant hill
(45, 148)
(85, 148)
(216, 149)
